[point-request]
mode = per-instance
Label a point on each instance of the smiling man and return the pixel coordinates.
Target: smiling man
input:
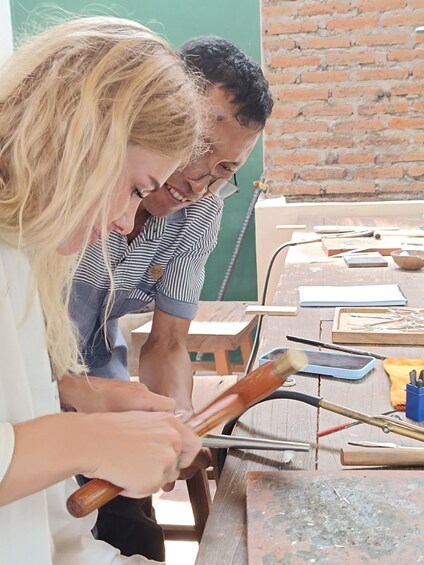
(162, 257)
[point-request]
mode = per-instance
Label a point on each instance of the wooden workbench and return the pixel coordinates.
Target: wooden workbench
(224, 539)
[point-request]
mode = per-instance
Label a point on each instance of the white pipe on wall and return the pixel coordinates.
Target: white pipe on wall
(6, 36)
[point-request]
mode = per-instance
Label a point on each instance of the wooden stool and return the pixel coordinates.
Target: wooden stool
(218, 328)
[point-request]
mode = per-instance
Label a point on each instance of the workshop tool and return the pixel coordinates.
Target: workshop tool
(329, 431)
(325, 345)
(382, 456)
(382, 444)
(385, 423)
(256, 386)
(217, 441)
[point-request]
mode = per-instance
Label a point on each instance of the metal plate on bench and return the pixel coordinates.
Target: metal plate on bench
(299, 517)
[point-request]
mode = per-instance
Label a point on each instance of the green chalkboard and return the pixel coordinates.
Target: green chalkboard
(178, 20)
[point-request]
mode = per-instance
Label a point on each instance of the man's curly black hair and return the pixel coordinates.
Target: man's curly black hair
(223, 63)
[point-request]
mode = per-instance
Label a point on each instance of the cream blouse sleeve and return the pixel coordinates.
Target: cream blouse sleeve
(7, 443)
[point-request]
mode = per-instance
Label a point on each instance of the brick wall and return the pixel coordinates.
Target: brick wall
(348, 82)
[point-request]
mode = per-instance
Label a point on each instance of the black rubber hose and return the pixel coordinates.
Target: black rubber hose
(277, 395)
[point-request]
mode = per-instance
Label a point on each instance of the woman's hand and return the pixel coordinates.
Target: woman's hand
(140, 452)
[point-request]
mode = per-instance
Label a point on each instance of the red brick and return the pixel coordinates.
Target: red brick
(277, 11)
(291, 27)
(295, 159)
(298, 94)
(325, 109)
(353, 23)
(379, 139)
(354, 158)
(285, 111)
(384, 107)
(418, 72)
(359, 125)
(374, 39)
(325, 76)
(357, 92)
(405, 55)
(324, 8)
(407, 89)
(277, 44)
(417, 187)
(349, 187)
(295, 61)
(380, 5)
(281, 143)
(322, 173)
(405, 19)
(382, 74)
(353, 57)
(418, 106)
(378, 172)
(276, 173)
(416, 171)
(402, 157)
(298, 126)
(301, 188)
(404, 123)
(384, 187)
(324, 42)
(327, 141)
(282, 77)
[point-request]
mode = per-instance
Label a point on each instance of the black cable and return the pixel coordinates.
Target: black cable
(255, 345)
(279, 394)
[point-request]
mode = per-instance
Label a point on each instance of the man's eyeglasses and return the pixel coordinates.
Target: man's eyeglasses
(229, 186)
(219, 185)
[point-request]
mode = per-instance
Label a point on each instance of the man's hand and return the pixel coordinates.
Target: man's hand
(96, 394)
(203, 460)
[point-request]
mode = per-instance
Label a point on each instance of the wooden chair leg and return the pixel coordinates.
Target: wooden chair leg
(222, 362)
(200, 498)
(246, 349)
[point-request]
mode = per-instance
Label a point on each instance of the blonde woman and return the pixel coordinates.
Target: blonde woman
(93, 114)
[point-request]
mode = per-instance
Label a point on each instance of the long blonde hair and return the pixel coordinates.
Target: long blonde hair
(71, 99)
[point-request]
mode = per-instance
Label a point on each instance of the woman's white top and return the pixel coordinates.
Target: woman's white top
(36, 530)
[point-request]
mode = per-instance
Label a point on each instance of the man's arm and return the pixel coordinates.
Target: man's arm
(95, 394)
(165, 366)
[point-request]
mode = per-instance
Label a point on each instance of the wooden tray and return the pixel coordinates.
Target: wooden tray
(344, 333)
(303, 517)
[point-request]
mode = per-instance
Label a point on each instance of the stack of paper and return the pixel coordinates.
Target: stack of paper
(366, 295)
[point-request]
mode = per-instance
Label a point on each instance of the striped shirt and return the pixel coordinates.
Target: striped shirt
(164, 263)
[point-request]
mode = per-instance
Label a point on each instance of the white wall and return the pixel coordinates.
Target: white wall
(270, 212)
(6, 38)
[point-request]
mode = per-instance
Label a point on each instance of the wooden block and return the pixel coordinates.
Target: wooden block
(271, 310)
(334, 246)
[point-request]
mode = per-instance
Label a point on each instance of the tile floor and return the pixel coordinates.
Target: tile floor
(175, 508)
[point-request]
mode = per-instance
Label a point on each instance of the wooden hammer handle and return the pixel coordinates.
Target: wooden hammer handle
(382, 456)
(254, 387)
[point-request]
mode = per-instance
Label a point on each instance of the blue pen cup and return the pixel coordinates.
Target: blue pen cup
(414, 402)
